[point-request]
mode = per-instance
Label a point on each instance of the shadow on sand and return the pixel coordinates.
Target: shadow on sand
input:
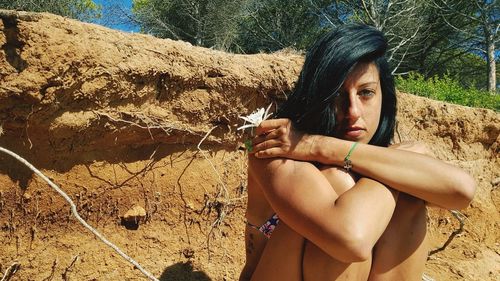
(183, 271)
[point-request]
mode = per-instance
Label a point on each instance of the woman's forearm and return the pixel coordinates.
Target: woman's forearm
(419, 175)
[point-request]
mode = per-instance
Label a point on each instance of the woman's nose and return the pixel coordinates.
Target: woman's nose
(353, 107)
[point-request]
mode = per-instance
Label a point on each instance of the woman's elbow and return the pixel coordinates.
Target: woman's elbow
(355, 247)
(360, 252)
(465, 188)
(361, 245)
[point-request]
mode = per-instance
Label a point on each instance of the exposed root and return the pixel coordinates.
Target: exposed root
(67, 270)
(27, 127)
(426, 277)
(224, 189)
(77, 216)
(224, 206)
(52, 271)
(145, 122)
(460, 217)
(11, 270)
(2, 203)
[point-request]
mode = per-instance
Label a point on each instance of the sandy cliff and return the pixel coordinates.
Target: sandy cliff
(120, 120)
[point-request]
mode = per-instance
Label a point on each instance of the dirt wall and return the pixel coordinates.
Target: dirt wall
(119, 120)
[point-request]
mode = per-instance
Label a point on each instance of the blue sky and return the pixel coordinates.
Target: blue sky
(111, 19)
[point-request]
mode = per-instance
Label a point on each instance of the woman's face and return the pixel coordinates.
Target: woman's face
(359, 104)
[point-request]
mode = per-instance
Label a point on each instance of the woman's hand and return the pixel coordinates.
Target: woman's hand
(278, 138)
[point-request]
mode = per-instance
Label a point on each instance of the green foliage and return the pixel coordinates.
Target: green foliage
(471, 68)
(475, 26)
(447, 89)
(208, 23)
(77, 9)
(268, 26)
(241, 26)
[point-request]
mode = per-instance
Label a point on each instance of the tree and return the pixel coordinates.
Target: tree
(402, 21)
(481, 20)
(243, 26)
(78, 9)
(205, 23)
(276, 24)
(116, 13)
(434, 39)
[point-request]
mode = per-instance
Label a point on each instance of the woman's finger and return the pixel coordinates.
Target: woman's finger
(271, 124)
(266, 145)
(271, 135)
(269, 153)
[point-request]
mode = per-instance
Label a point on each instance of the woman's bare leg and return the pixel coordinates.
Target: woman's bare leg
(401, 252)
(282, 256)
(318, 265)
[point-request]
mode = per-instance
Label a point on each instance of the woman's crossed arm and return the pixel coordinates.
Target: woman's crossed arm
(345, 227)
(419, 175)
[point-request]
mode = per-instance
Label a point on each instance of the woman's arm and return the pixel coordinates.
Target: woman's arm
(419, 175)
(345, 227)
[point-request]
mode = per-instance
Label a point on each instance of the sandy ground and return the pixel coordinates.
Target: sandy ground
(123, 120)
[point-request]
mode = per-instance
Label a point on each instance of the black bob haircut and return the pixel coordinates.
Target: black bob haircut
(327, 65)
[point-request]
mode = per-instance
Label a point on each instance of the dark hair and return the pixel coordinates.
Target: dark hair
(327, 64)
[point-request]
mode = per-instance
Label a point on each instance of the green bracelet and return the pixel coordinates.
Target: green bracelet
(347, 161)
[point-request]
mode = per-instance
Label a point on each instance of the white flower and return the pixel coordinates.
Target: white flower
(255, 118)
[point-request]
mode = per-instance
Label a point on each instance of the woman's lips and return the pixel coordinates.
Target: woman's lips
(354, 132)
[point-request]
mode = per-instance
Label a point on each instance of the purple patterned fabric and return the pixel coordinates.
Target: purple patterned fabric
(268, 227)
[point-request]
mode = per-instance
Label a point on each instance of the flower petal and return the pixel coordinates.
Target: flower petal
(267, 114)
(246, 126)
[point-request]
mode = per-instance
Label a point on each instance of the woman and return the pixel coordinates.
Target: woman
(340, 204)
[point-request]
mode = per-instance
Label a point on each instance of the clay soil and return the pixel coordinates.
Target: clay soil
(125, 120)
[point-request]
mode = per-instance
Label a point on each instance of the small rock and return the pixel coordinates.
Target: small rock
(496, 181)
(26, 196)
(188, 253)
(136, 215)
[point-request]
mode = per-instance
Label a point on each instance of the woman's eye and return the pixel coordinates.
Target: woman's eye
(367, 93)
